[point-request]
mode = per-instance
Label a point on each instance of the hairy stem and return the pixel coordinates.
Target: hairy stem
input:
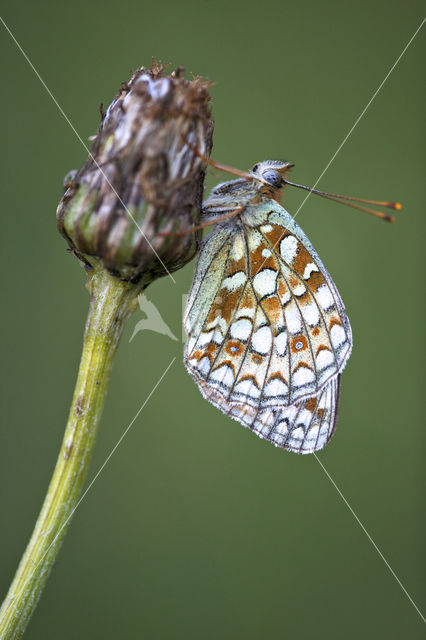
(111, 303)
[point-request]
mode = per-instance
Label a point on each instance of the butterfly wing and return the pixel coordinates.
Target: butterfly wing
(211, 265)
(305, 427)
(267, 330)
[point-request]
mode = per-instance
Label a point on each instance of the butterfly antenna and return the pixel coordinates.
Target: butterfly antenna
(349, 201)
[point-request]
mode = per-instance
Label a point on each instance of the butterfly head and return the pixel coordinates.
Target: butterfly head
(271, 173)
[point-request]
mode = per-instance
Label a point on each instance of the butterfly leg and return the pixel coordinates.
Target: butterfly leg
(216, 165)
(208, 223)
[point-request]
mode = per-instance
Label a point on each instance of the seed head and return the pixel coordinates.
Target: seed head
(141, 178)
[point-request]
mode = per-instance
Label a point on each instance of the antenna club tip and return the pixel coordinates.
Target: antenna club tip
(397, 206)
(390, 218)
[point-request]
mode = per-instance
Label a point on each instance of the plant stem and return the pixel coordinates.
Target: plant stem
(111, 303)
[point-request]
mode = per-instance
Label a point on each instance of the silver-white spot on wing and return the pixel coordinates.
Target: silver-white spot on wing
(264, 283)
(261, 340)
(241, 329)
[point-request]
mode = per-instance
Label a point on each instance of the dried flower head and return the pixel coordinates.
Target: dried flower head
(141, 178)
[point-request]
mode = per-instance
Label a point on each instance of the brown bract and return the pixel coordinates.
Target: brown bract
(141, 178)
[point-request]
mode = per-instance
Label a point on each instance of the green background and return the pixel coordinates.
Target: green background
(196, 528)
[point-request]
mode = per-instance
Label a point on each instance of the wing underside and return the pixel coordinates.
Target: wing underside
(268, 335)
(302, 428)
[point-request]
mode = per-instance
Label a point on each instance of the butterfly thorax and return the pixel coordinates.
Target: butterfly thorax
(264, 182)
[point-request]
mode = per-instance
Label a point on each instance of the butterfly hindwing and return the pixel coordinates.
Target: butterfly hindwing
(305, 427)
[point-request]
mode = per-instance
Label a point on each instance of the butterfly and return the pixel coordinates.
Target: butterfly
(267, 332)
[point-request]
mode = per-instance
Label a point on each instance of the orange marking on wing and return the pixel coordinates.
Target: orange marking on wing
(302, 364)
(282, 289)
(272, 307)
(224, 305)
(236, 345)
(258, 262)
(322, 347)
(249, 377)
(301, 259)
(305, 298)
(315, 280)
(215, 312)
(198, 355)
(295, 341)
(257, 359)
(320, 413)
(277, 376)
(276, 235)
(248, 300)
(229, 363)
(315, 331)
(293, 282)
(311, 404)
(235, 265)
(334, 321)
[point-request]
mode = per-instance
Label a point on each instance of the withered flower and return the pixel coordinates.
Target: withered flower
(142, 178)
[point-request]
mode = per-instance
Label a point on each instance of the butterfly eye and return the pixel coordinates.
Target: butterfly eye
(273, 177)
(255, 168)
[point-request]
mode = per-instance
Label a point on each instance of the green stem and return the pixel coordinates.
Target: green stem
(111, 303)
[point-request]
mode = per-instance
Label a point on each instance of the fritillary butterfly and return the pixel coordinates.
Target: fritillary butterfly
(268, 336)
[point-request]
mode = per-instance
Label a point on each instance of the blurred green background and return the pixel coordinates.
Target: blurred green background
(196, 528)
